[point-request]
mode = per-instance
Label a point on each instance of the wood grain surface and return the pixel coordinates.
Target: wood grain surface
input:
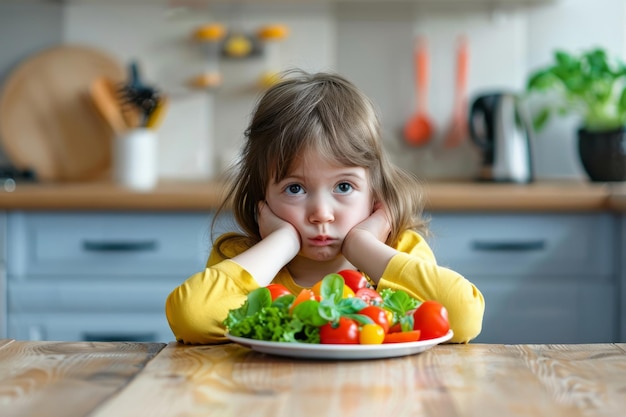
(66, 379)
(448, 380)
(5, 342)
(47, 120)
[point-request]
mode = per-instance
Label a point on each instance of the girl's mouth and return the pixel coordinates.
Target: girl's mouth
(321, 240)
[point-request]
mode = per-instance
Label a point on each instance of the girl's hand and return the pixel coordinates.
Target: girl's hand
(377, 224)
(280, 242)
(270, 222)
(365, 247)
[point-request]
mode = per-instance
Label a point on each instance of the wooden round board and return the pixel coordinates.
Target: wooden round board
(47, 121)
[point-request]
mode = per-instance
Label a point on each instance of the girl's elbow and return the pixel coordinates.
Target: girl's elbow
(466, 319)
(190, 327)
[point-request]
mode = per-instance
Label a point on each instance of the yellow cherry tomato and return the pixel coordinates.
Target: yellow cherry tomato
(389, 314)
(371, 334)
(347, 291)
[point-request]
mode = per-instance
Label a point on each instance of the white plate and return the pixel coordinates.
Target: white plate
(315, 351)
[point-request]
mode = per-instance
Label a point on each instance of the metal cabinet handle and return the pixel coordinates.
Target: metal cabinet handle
(118, 337)
(511, 246)
(120, 246)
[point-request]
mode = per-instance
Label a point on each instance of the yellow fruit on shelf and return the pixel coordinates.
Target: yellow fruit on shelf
(273, 32)
(211, 32)
(268, 79)
(238, 46)
(206, 80)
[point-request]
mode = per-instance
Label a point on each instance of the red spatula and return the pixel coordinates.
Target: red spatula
(419, 128)
(458, 124)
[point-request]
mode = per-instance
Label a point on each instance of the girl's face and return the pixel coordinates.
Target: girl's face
(323, 202)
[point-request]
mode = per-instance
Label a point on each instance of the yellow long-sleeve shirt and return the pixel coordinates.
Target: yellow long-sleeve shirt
(196, 309)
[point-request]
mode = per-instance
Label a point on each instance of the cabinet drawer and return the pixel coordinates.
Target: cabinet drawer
(107, 244)
(525, 244)
(90, 296)
(521, 312)
(90, 327)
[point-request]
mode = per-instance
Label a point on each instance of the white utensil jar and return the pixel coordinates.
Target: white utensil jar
(135, 159)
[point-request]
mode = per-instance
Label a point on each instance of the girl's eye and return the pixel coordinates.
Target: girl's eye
(294, 189)
(344, 188)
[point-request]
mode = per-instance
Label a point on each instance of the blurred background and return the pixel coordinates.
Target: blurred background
(371, 42)
(83, 260)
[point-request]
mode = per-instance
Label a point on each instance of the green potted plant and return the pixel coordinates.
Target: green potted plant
(592, 86)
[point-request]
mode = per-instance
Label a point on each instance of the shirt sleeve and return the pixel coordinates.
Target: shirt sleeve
(416, 271)
(196, 309)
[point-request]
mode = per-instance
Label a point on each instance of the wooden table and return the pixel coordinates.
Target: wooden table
(151, 379)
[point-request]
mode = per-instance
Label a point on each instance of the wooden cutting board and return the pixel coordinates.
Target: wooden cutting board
(47, 121)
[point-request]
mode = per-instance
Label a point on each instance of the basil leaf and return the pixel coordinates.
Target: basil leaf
(398, 301)
(284, 301)
(406, 323)
(351, 305)
(328, 310)
(308, 312)
(332, 287)
(257, 299)
(360, 318)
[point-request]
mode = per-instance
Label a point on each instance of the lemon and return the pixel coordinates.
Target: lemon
(238, 46)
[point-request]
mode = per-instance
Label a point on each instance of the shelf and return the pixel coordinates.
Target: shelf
(388, 3)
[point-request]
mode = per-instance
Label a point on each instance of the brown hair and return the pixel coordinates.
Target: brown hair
(328, 113)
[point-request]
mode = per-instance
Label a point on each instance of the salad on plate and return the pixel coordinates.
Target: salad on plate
(341, 309)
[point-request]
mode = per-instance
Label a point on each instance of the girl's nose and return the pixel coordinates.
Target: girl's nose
(320, 211)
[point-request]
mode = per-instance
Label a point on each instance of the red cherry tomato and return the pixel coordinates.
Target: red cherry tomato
(346, 332)
(277, 290)
(370, 296)
(431, 318)
(395, 328)
(378, 314)
(354, 279)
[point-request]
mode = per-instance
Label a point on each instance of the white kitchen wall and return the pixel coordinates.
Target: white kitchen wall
(371, 45)
(571, 25)
(203, 129)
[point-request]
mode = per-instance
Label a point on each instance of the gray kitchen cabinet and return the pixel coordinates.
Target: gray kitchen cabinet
(99, 276)
(3, 276)
(546, 278)
(621, 261)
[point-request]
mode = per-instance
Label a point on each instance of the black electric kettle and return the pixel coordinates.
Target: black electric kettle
(500, 126)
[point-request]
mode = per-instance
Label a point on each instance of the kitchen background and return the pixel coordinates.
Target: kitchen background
(370, 42)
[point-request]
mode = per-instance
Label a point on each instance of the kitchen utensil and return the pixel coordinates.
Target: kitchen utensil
(457, 130)
(158, 114)
(500, 125)
(46, 124)
(131, 114)
(107, 104)
(419, 128)
(136, 93)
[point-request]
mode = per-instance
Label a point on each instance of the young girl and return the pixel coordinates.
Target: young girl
(315, 193)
